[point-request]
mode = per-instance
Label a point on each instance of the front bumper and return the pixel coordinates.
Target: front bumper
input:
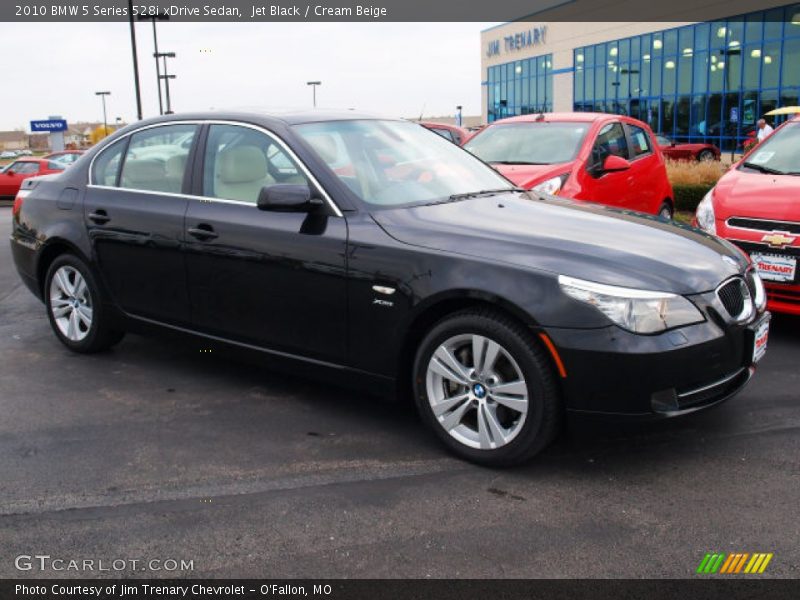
(611, 371)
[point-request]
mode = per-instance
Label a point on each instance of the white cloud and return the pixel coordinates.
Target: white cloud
(391, 68)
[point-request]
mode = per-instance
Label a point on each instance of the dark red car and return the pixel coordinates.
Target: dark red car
(678, 151)
(610, 159)
(755, 205)
(22, 168)
(457, 135)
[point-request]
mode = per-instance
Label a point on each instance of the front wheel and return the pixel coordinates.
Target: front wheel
(75, 307)
(486, 389)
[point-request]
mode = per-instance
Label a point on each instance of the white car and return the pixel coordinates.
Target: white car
(8, 154)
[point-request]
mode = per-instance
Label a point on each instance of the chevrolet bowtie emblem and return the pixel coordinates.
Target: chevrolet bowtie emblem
(777, 240)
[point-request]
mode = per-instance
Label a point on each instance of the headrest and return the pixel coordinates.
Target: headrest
(241, 164)
(325, 146)
(175, 166)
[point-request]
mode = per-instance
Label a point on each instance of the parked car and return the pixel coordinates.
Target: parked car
(26, 152)
(457, 135)
(23, 168)
(610, 159)
(65, 157)
(755, 206)
(690, 151)
(293, 236)
(8, 154)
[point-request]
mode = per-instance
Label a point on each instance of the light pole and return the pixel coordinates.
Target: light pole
(135, 62)
(314, 85)
(105, 120)
(166, 77)
(154, 18)
(459, 118)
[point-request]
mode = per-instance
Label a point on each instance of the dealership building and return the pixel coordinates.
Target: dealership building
(705, 80)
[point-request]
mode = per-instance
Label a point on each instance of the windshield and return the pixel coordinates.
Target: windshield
(529, 143)
(779, 155)
(396, 163)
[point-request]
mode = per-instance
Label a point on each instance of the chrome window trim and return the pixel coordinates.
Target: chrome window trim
(727, 223)
(336, 210)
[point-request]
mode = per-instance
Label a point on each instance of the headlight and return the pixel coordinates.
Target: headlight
(705, 213)
(552, 186)
(640, 311)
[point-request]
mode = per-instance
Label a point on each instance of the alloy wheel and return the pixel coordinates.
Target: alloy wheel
(71, 303)
(477, 391)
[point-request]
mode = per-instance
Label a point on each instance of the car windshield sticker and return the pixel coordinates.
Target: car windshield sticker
(762, 157)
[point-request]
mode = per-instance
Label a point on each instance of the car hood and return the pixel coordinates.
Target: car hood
(744, 194)
(560, 236)
(527, 176)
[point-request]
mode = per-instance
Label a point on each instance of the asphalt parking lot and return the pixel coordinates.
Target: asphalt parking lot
(156, 450)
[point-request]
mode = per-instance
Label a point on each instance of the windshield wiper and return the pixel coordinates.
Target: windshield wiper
(764, 169)
(455, 197)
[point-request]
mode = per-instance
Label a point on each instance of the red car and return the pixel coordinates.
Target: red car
(67, 157)
(13, 175)
(457, 135)
(755, 205)
(610, 159)
(677, 151)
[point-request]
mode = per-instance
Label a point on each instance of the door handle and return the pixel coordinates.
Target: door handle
(202, 232)
(99, 216)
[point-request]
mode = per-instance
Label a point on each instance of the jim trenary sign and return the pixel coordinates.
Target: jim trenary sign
(535, 36)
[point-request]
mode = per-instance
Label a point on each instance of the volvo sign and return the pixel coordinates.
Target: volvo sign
(49, 125)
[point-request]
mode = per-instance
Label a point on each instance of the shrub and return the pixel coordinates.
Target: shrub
(683, 173)
(688, 196)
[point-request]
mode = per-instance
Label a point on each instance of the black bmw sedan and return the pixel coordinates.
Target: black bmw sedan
(376, 249)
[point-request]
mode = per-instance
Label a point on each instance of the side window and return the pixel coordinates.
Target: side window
(662, 141)
(640, 141)
(610, 140)
(106, 165)
(239, 161)
(156, 158)
(445, 133)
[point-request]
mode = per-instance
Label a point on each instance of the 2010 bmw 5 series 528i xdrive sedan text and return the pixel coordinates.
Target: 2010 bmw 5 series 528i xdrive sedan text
(375, 248)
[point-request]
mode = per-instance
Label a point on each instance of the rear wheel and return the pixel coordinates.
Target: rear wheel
(75, 307)
(705, 155)
(487, 391)
(665, 212)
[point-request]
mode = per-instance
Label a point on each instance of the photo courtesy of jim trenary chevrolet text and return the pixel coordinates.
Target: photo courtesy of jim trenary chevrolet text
(399, 299)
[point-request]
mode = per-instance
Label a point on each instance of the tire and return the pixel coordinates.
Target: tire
(665, 211)
(705, 155)
(76, 307)
(462, 408)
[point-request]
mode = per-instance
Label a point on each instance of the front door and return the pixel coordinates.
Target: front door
(134, 212)
(611, 188)
(270, 279)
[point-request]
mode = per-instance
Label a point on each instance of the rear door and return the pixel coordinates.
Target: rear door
(646, 172)
(271, 279)
(134, 211)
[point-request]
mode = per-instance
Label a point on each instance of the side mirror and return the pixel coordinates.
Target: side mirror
(672, 144)
(287, 197)
(614, 163)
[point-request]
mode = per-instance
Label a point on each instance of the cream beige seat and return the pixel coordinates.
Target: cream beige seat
(240, 173)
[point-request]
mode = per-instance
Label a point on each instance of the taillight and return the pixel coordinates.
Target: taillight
(17, 206)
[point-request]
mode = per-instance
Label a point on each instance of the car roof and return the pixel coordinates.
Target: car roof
(553, 117)
(284, 116)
